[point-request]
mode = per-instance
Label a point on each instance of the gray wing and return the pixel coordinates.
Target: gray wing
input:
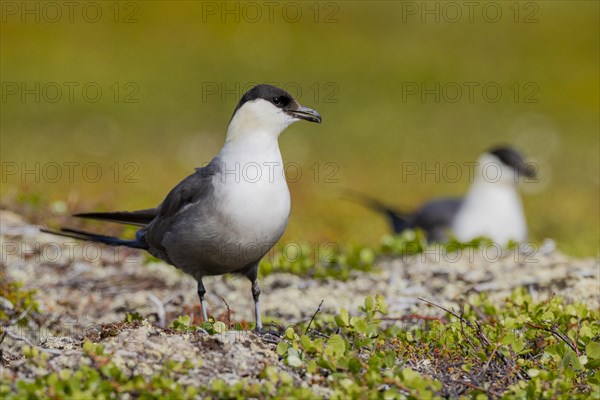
(192, 190)
(436, 216)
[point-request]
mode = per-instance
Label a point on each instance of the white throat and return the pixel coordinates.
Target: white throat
(258, 116)
(251, 187)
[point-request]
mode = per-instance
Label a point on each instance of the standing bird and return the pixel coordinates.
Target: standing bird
(226, 216)
(491, 208)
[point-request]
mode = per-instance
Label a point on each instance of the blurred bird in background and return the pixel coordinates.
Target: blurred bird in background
(491, 208)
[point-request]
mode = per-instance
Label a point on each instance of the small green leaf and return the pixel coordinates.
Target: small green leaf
(306, 342)
(390, 359)
(282, 348)
(381, 304)
(336, 345)
(219, 327)
(344, 316)
(312, 367)
(509, 323)
(586, 332)
(289, 333)
(369, 303)
(593, 350)
(354, 365)
(359, 324)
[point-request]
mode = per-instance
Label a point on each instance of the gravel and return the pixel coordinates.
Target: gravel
(84, 288)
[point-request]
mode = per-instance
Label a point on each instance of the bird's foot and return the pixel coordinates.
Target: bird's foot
(268, 335)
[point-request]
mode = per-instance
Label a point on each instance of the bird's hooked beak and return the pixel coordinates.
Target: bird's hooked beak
(305, 113)
(527, 170)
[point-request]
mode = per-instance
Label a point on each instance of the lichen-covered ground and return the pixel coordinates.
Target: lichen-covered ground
(85, 292)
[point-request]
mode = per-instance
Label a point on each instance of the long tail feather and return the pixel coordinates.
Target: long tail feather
(399, 220)
(93, 237)
(139, 218)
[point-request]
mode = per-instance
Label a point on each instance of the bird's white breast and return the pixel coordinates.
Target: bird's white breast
(491, 210)
(251, 190)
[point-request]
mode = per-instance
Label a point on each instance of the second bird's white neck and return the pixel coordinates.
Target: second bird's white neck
(493, 210)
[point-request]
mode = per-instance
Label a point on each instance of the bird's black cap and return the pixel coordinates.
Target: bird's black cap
(279, 98)
(265, 92)
(512, 158)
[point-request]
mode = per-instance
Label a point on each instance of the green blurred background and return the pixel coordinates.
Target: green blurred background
(171, 73)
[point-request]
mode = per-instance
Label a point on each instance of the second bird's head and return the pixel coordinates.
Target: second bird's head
(504, 164)
(267, 109)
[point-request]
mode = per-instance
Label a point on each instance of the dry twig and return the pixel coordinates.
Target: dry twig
(313, 317)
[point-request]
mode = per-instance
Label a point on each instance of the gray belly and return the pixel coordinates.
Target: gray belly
(204, 242)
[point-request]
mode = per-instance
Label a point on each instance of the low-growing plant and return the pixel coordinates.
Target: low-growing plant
(98, 377)
(519, 349)
(319, 262)
(17, 304)
(329, 261)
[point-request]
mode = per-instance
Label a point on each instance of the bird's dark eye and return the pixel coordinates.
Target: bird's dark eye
(280, 101)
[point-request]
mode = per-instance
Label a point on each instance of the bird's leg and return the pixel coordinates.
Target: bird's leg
(252, 274)
(201, 293)
(255, 296)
